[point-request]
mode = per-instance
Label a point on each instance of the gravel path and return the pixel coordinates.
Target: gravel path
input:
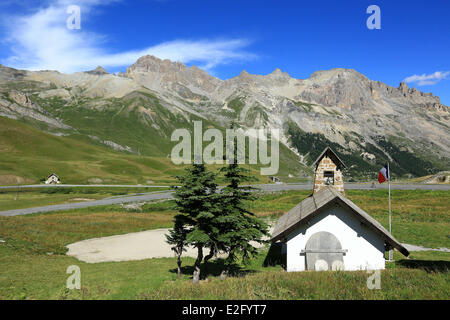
(131, 246)
(126, 247)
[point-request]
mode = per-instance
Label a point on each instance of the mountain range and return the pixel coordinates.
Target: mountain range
(133, 114)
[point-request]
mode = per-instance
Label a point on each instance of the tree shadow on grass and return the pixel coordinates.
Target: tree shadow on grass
(275, 256)
(426, 265)
(214, 268)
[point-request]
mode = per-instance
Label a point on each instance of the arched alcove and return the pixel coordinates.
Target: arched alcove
(323, 246)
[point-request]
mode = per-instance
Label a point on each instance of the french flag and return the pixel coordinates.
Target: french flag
(383, 175)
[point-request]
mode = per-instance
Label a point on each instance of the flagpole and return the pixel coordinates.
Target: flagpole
(390, 220)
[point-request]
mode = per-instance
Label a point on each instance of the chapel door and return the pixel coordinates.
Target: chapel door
(324, 252)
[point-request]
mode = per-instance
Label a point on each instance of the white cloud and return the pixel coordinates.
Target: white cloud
(427, 79)
(41, 41)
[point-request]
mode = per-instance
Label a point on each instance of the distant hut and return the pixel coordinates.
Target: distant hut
(52, 179)
(327, 231)
(274, 179)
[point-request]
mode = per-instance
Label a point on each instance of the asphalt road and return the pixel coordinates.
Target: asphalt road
(79, 185)
(102, 202)
(168, 194)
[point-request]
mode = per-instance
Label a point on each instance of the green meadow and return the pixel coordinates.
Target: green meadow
(33, 262)
(28, 155)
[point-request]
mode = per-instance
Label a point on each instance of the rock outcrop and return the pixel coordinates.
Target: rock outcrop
(99, 71)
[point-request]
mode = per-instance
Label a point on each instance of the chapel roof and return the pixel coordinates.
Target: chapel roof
(314, 204)
(333, 156)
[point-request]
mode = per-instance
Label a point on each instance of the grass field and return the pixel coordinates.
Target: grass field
(73, 158)
(29, 155)
(33, 264)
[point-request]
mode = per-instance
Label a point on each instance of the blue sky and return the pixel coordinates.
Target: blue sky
(225, 37)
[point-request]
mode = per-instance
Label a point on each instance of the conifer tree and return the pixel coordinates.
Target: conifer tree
(196, 201)
(177, 238)
(217, 221)
(239, 226)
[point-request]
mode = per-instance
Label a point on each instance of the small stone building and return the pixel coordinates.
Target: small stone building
(328, 171)
(52, 179)
(274, 179)
(327, 231)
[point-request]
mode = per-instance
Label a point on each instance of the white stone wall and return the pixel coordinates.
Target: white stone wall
(365, 247)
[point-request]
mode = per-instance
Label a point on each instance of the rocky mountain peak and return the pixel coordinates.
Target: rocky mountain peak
(99, 71)
(403, 87)
(157, 74)
(153, 64)
(278, 74)
(277, 71)
(427, 100)
(344, 88)
(244, 74)
(337, 74)
(275, 79)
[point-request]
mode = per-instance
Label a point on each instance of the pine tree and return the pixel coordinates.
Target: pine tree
(196, 200)
(239, 226)
(177, 238)
(217, 221)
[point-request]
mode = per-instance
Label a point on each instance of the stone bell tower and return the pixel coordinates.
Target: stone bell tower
(328, 171)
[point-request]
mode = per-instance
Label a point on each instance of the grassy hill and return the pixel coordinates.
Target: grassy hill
(31, 155)
(28, 155)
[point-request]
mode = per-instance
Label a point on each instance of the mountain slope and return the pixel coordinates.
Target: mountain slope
(29, 155)
(365, 121)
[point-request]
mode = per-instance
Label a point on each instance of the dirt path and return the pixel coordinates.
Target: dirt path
(132, 246)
